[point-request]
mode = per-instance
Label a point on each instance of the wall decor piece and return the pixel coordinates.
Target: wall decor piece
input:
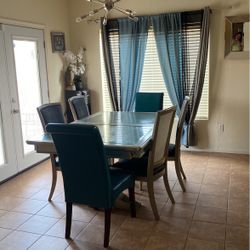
(237, 37)
(57, 41)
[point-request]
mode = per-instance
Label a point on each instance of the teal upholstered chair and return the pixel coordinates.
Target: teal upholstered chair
(148, 102)
(78, 107)
(48, 113)
(174, 150)
(87, 177)
(154, 165)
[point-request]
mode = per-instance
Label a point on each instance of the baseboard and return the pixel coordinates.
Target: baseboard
(26, 169)
(214, 151)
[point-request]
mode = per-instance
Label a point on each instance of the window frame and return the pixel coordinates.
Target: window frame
(105, 92)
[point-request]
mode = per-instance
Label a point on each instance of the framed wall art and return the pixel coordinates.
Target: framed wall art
(57, 41)
(237, 37)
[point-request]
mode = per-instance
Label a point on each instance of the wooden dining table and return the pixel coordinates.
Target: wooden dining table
(125, 134)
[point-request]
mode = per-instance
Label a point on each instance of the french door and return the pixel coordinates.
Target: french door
(23, 87)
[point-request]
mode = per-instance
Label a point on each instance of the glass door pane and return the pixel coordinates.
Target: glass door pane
(29, 90)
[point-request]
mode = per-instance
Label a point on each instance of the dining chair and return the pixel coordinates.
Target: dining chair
(87, 178)
(148, 102)
(153, 166)
(51, 113)
(174, 150)
(78, 107)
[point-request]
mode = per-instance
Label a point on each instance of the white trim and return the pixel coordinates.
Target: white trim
(214, 151)
(21, 23)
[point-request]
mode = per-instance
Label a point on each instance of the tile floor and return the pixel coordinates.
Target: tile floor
(212, 214)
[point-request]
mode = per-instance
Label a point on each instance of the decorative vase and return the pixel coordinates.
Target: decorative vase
(78, 82)
(69, 79)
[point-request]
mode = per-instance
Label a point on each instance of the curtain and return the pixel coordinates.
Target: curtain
(132, 41)
(168, 37)
(171, 31)
(109, 65)
(188, 137)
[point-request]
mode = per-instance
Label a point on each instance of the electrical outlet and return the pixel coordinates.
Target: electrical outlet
(221, 127)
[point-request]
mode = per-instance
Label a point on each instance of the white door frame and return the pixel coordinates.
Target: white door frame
(9, 168)
(10, 33)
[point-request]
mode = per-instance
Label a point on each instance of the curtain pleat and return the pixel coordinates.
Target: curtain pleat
(189, 138)
(109, 68)
(132, 40)
(168, 37)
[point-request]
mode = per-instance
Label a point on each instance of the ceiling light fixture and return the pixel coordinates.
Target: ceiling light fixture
(107, 6)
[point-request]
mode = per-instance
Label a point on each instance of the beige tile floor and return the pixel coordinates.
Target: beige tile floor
(212, 214)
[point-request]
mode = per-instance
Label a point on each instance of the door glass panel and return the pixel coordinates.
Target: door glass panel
(2, 160)
(29, 90)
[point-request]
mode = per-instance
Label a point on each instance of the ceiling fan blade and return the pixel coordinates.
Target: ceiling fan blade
(91, 13)
(129, 13)
(120, 10)
(95, 1)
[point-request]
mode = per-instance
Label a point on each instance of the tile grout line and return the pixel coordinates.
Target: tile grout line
(194, 210)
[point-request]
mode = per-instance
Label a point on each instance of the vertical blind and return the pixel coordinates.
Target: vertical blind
(152, 79)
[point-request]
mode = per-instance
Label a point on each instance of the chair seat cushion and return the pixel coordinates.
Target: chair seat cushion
(171, 150)
(120, 180)
(137, 166)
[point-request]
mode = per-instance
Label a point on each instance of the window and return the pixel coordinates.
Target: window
(152, 79)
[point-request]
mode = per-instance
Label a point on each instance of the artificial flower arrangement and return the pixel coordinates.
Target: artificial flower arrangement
(75, 69)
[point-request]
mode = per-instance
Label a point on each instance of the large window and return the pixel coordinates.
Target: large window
(152, 79)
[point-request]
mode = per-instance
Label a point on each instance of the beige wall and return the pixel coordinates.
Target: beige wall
(53, 14)
(229, 79)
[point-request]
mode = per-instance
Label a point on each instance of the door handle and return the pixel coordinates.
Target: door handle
(15, 111)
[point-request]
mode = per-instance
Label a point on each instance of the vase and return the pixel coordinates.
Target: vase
(78, 82)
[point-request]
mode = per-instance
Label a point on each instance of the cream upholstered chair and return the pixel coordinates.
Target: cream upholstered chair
(78, 107)
(174, 150)
(154, 165)
(51, 113)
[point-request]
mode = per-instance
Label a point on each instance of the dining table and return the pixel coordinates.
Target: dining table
(125, 135)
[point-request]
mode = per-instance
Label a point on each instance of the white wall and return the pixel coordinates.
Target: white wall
(229, 79)
(53, 14)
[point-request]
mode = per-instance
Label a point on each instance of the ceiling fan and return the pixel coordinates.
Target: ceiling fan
(107, 6)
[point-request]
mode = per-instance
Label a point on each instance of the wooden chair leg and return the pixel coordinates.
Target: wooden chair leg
(68, 219)
(151, 195)
(131, 192)
(54, 177)
(168, 189)
(107, 227)
(178, 173)
(182, 171)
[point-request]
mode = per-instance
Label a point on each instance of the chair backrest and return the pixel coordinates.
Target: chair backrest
(182, 116)
(83, 163)
(50, 113)
(148, 102)
(161, 137)
(78, 107)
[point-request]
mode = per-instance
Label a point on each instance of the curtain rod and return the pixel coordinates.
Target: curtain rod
(182, 12)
